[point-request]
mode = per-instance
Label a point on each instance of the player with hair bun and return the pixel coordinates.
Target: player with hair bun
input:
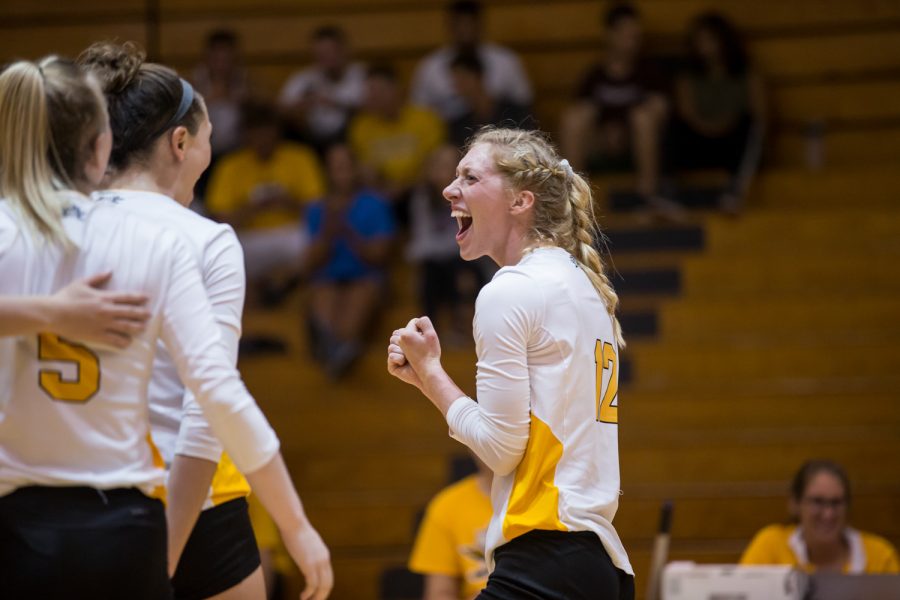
(161, 133)
(547, 339)
(78, 472)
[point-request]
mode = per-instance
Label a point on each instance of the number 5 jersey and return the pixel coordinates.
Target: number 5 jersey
(72, 414)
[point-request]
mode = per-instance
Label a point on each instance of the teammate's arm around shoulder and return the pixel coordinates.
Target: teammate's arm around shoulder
(80, 311)
(194, 341)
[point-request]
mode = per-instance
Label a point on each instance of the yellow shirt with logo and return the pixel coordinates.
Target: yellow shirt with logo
(397, 149)
(235, 177)
(451, 538)
(783, 545)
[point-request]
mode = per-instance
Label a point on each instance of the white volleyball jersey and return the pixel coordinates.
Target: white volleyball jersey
(546, 418)
(73, 414)
(217, 252)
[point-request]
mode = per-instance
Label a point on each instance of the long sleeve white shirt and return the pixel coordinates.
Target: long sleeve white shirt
(546, 417)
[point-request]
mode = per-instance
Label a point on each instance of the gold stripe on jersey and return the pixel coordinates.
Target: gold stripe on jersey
(228, 483)
(159, 492)
(534, 500)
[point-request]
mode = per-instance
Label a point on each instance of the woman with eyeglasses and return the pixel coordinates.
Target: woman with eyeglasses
(819, 538)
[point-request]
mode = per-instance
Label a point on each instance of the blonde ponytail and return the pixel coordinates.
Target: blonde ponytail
(26, 178)
(50, 116)
(563, 208)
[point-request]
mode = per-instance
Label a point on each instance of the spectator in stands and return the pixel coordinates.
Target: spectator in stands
(261, 189)
(449, 548)
(621, 111)
(720, 108)
(318, 101)
(819, 539)
(448, 285)
(351, 232)
(504, 76)
(467, 71)
(391, 138)
(223, 82)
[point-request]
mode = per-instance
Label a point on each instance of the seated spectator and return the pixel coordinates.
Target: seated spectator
(391, 138)
(351, 231)
(820, 539)
(720, 108)
(224, 85)
(261, 190)
(504, 76)
(449, 548)
(448, 285)
(482, 109)
(620, 114)
(223, 82)
(318, 101)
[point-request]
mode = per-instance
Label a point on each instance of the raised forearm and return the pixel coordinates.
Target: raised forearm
(440, 388)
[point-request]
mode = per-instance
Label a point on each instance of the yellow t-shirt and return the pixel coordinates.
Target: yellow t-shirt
(451, 538)
(397, 149)
(291, 165)
(783, 545)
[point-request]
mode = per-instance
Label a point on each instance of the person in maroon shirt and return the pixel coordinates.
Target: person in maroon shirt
(620, 113)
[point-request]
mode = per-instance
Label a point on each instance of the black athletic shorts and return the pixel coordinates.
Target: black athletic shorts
(556, 565)
(220, 553)
(81, 542)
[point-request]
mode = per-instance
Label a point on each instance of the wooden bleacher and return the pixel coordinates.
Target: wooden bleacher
(777, 340)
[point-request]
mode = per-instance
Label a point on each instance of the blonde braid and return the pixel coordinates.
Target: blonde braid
(583, 229)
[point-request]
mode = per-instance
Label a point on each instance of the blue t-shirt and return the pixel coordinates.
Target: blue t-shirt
(367, 215)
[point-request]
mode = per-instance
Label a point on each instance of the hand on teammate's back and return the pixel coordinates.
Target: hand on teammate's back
(309, 552)
(84, 312)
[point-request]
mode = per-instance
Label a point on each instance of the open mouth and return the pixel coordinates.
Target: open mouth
(464, 220)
